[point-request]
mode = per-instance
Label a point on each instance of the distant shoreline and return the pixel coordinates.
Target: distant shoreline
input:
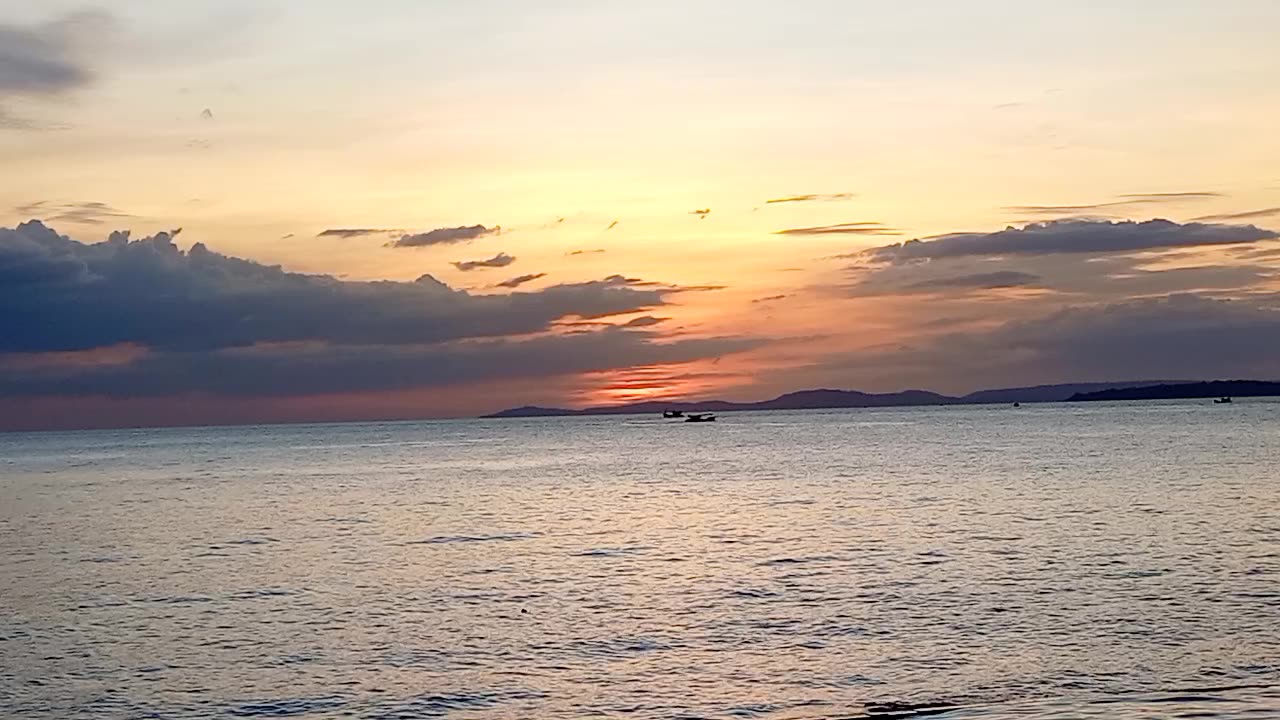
(826, 399)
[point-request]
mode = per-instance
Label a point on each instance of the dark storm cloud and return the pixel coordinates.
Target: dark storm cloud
(519, 280)
(1072, 236)
(355, 232)
(57, 294)
(980, 281)
(811, 198)
(445, 236)
(850, 228)
(500, 260)
(85, 213)
(1246, 215)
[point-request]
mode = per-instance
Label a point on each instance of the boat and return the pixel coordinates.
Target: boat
(672, 413)
(1017, 404)
(1222, 400)
(700, 417)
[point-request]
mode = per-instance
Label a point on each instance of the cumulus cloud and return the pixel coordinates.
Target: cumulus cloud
(84, 213)
(63, 295)
(828, 197)
(132, 318)
(1072, 236)
(445, 236)
(849, 228)
(356, 232)
(500, 260)
(519, 280)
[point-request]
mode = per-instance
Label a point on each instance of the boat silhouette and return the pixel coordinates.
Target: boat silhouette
(700, 417)
(1224, 400)
(672, 413)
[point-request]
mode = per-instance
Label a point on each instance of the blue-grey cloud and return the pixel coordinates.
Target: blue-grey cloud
(46, 60)
(197, 321)
(1122, 201)
(58, 294)
(1072, 236)
(644, 321)
(500, 260)
(445, 236)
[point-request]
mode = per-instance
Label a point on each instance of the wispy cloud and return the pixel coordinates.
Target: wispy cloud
(770, 298)
(645, 321)
(612, 225)
(1246, 215)
(46, 60)
(585, 252)
(85, 213)
(356, 232)
(500, 260)
(1072, 236)
(816, 197)
(702, 214)
(519, 280)
(982, 281)
(850, 228)
(1125, 200)
(446, 236)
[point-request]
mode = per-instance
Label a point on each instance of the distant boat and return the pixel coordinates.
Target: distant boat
(1017, 404)
(700, 417)
(1222, 401)
(672, 413)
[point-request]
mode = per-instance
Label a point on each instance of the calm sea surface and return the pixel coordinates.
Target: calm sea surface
(1055, 561)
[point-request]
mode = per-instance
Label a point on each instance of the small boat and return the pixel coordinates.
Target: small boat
(1017, 404)
(1222, 401)
(700, 417)
(672, 413)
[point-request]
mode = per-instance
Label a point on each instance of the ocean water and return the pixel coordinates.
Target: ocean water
(1052, 561)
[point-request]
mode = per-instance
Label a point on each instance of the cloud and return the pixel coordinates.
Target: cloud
(206, 114)
(519, 280)
(47, 60)
(811, 198)
(612, 225)
(500, 260)
(644, 321)
(1126, 200)
(63, 295)
(1071, 236)
(770, 298)
(1246, 215)
(980, 281)
(702, 214)
(445, 236)
(85, 213)
(355, 232)
(586, 252)
(850, 228)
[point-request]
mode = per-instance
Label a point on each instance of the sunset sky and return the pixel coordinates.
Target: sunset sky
(405, 208)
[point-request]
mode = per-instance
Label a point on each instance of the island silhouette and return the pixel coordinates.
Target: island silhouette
(822, 399)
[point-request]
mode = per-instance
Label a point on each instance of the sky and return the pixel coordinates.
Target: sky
(275, 210)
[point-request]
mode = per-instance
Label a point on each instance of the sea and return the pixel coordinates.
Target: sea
(1048, 561)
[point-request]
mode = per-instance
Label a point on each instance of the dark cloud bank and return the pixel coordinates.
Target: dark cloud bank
(200, 322)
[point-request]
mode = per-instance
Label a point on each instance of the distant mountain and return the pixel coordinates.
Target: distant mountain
(1055, 393)
(829, 399)
(1178, 391)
